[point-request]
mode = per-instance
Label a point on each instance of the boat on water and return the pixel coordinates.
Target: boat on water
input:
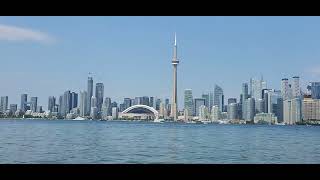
(79, 118)
(159, 120)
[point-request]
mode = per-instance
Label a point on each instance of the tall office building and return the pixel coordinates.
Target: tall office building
(74, 100)
(83, 103)
(106, 108)
(93, 102)
(311, 109)
(4, 103)
(244, 93)
(66, 103)
(188, 101)
(218, 97)
(232, 111)
(89, 93)
(51, 103)
(13, 108)
(207, 99)
(158, 101)
(315, 90)
(162, 112)
(99, 95)
(61, 108)
(167, 104)
(296, 87)
(285, 89)
(151, 102)
(292, 111)
(210, 100)
(260, 106)
(244, 109)
(257, 86)
(197, 103)
(145, 100)
(275, 103)
(127, 103)
(121, 107)
(232, 100)
(23, 103)
(114, 113)
(215, 113)
(203, 112)
(250, 109)
(175, 62)
(33, 104)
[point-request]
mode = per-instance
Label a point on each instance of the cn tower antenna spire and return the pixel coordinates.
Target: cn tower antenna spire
(175, 39)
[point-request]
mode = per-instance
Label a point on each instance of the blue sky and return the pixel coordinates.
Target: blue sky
(45, 56)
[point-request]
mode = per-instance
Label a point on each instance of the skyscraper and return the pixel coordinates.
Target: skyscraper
(218, 97)
(315, 90)
(244, 92)
(151, 102)
(203, 112)
(210, 100)
(257, 86)
(127, 102)
(232, 100)
(145, 100)
(4, 104)
(106, 108)
(215, 113)
(13, 108)
(83, 103)
(61, 106)
(296, 87)
(197, 103)
(250, 110)
(158, 101)
(232, 111)
(51, 103)
(188, 101)
(99, 95)
(89, 93)
(207, 99)
(285, 89)
(34, 103)
(74, 100)
(260, 106)
(93, 102)
(292, 111)
(175, 62)
(24, 101)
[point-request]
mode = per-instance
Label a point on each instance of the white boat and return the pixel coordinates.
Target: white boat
(158, 120)
(79, 118)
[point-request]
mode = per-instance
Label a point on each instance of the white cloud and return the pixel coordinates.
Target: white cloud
(13, 33)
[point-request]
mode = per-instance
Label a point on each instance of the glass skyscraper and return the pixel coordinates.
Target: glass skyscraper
(188, 101)
(24, 101)
(315, 90)
(197, 103)
(99, 95)
(89, 94)
(218, 97)
(33, 104)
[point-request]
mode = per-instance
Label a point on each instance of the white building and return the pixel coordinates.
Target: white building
(285, 89)
(269, 118)
(215, 113)
(296, 87)
(311, 109)
(292, 111)
(114, 113)
(203, 113)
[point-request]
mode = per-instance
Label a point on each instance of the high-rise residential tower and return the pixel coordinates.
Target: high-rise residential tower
(188, 101)
(99, 95)
(218, 97)
(34, 103)
(51, 103)
(24, 101)
(296, 87)
(89, 93)
(83, 103)
(285, 89)
(175, 62)
(4, 103)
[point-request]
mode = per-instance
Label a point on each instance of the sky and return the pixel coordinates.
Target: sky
(45, 56)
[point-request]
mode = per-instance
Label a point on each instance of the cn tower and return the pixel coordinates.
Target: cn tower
(175, 62)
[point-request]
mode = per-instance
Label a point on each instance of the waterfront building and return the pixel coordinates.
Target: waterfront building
(215, 113)
(250, 109)
(162, 110)
(33, 104)
(275, 103)
(13, 108)
(315, 90)
(206, 99)
(99, 95)
(285, 89)
(83, 103)
(74, 100)
(310, 109)
(51, 103)
(296, 87)
(197, 103)
(218, 99)
(89, 93)
(262, 118)
(94, 112)
(4, 104)
(114, 113)
(232, 111)
(292, 111)
(23, 103)
(203, 112)
(232, 100)
(188, 101)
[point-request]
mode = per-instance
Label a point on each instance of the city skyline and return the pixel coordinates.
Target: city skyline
(43, 68)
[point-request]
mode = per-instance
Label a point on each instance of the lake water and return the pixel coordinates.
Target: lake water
(66, 141)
